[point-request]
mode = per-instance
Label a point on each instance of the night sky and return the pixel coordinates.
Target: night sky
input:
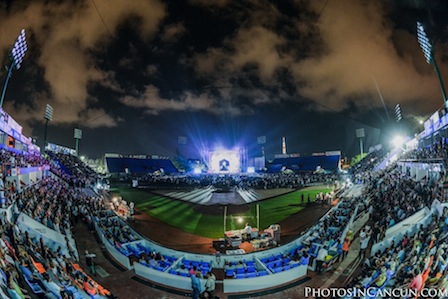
(135, 75)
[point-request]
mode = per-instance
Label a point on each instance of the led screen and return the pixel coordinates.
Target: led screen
(227, 161)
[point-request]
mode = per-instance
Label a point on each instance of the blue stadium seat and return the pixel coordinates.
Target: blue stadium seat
(205, 265)
(230, 273)
(240, 270)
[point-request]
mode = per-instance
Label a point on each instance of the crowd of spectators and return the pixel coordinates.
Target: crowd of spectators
(27, 263)
(116, 231)
(328, 231)
(73, 170)
(412, 262)
(56, 205)
(438, 150)
(18, 159)
(255, 181)
(362, 171)
(395, 196)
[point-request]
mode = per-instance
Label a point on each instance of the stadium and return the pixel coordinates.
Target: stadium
(266, 173)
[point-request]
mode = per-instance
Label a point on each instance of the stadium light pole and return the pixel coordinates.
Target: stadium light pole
(77, 135)
(48, 117)
(360, 133)
(16, 56)
(428, 51)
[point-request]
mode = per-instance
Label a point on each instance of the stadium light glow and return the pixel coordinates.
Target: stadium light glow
(397, 141)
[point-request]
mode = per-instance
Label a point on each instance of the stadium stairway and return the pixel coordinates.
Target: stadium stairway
(120, 281)
(350, 264)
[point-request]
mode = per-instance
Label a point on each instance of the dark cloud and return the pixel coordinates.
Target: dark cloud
(97, 66)
(66, 34)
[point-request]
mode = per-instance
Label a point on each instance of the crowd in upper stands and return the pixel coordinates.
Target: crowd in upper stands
(72, 170)
(29, 263)
(17, 159)
(438, 150)
(395, 197)
(410, 261)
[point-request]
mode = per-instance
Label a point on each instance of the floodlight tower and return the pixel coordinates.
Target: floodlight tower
(16, 56)
(360, 133)
(78, 136)
(48, 117)
(428, 51)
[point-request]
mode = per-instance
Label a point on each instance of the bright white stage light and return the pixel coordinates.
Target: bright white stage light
(397, 141)
(239, 219)
(250, 169)
(227, 161)
(197, 170)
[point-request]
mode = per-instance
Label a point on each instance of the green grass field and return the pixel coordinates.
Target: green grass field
(181, 214)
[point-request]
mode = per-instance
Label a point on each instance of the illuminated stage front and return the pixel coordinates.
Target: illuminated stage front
(225, 161)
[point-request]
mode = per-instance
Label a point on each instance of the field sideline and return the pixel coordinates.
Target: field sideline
(183, 216)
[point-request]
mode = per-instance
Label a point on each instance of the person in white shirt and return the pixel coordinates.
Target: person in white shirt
(247, 231)
(2, 192)
(210, 285)
(363, 246)
(320, 259)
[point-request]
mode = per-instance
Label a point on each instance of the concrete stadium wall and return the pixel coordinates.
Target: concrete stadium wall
(264, 282)
(163, 278)
(52, 238)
